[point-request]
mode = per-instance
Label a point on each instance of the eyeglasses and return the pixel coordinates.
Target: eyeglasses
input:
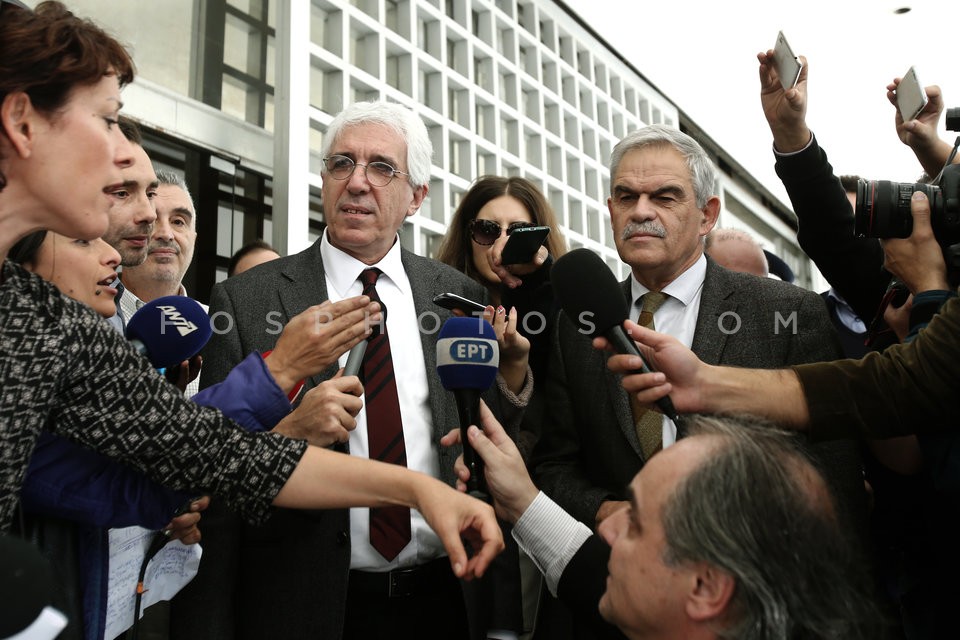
(379, 174)
(486, 232)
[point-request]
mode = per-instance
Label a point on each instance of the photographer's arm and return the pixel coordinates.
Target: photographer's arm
(785, 110)
(825, 218)
(920, 134)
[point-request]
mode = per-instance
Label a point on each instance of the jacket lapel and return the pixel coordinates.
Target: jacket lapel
(718, 307)
(423, 285)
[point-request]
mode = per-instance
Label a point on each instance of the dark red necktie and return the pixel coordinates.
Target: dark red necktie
(389, 526)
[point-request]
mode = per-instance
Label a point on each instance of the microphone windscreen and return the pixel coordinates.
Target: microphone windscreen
(26, 584)
(588, 292)
(467, 354)
(172, 328)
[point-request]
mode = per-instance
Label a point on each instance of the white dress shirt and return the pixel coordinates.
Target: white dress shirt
(393, 287)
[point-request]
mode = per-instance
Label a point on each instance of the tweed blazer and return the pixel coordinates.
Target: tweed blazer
(589, 451)
(288, 578)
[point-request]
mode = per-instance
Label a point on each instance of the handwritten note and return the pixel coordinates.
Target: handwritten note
(169, 571)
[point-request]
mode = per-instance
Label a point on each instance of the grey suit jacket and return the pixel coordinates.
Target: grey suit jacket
(288, 578)
(589, 452)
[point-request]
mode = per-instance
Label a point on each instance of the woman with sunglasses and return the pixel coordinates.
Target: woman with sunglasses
(493, 208)
(489, 212)
(61, 365)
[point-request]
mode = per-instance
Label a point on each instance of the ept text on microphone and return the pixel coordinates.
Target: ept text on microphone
(467, 362)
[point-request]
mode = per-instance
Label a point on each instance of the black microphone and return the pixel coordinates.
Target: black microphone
(467, 362)
(592, 298)
(169, 330)
(355, 357)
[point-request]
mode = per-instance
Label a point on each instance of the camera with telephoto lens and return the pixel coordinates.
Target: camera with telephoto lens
(883, 207)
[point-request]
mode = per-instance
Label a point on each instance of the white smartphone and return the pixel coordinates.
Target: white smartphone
(788, 65)
(911, 98)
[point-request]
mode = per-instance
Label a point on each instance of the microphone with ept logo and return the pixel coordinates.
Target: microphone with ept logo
(467, 362)
(169, 330)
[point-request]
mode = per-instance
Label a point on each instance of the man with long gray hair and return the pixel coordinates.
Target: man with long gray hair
(729, 533)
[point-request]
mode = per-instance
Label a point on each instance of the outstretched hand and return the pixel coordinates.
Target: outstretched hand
(677, 370)
(457, 518)
(314, 339)
(785, 110)
(504, 470)
(921, 132)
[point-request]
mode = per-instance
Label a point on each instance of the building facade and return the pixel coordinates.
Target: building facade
(237, 95)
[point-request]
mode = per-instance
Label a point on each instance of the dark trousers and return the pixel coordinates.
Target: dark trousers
(426, 601)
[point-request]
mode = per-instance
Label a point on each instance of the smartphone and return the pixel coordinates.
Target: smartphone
(523, 244)
(452, 301)
(911, 98)
(788, 64)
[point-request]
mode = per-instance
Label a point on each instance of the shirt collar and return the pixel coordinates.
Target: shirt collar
(684, 287)
(343, 270)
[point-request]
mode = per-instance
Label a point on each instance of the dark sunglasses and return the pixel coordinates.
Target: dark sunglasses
(15, 3)
(486, 232)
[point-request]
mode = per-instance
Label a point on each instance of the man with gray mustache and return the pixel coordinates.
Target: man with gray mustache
(662, 205)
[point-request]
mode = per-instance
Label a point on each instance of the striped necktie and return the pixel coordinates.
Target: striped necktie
(389, 526)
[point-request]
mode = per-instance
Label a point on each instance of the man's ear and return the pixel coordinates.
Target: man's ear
(419, 195)
(711, 213)
(18, 120)
(710, 595)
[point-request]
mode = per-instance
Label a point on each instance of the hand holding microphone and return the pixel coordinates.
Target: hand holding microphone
(169, 330)
(355, 358)
(467, 363)
(592, 298)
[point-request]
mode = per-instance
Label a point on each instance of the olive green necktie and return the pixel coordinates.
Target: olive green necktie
(648, 422)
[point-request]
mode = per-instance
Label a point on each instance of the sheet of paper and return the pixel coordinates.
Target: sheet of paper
(169, 571)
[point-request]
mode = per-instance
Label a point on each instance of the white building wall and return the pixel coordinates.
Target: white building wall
(510, 87)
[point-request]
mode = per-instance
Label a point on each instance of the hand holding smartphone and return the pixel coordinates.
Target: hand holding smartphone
(911, 98)
(523, 244)
(788, 64)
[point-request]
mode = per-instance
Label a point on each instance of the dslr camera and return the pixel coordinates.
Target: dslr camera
(883, 207)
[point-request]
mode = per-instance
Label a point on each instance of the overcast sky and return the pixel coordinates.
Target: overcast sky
(702, 56)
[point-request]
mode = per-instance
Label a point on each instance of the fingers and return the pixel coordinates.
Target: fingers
(349, 386)
(920, 208)
(451, 438)
(492, 429)
(492, 541)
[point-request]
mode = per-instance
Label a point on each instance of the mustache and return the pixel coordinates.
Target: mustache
(647, 226)
(164, 245)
